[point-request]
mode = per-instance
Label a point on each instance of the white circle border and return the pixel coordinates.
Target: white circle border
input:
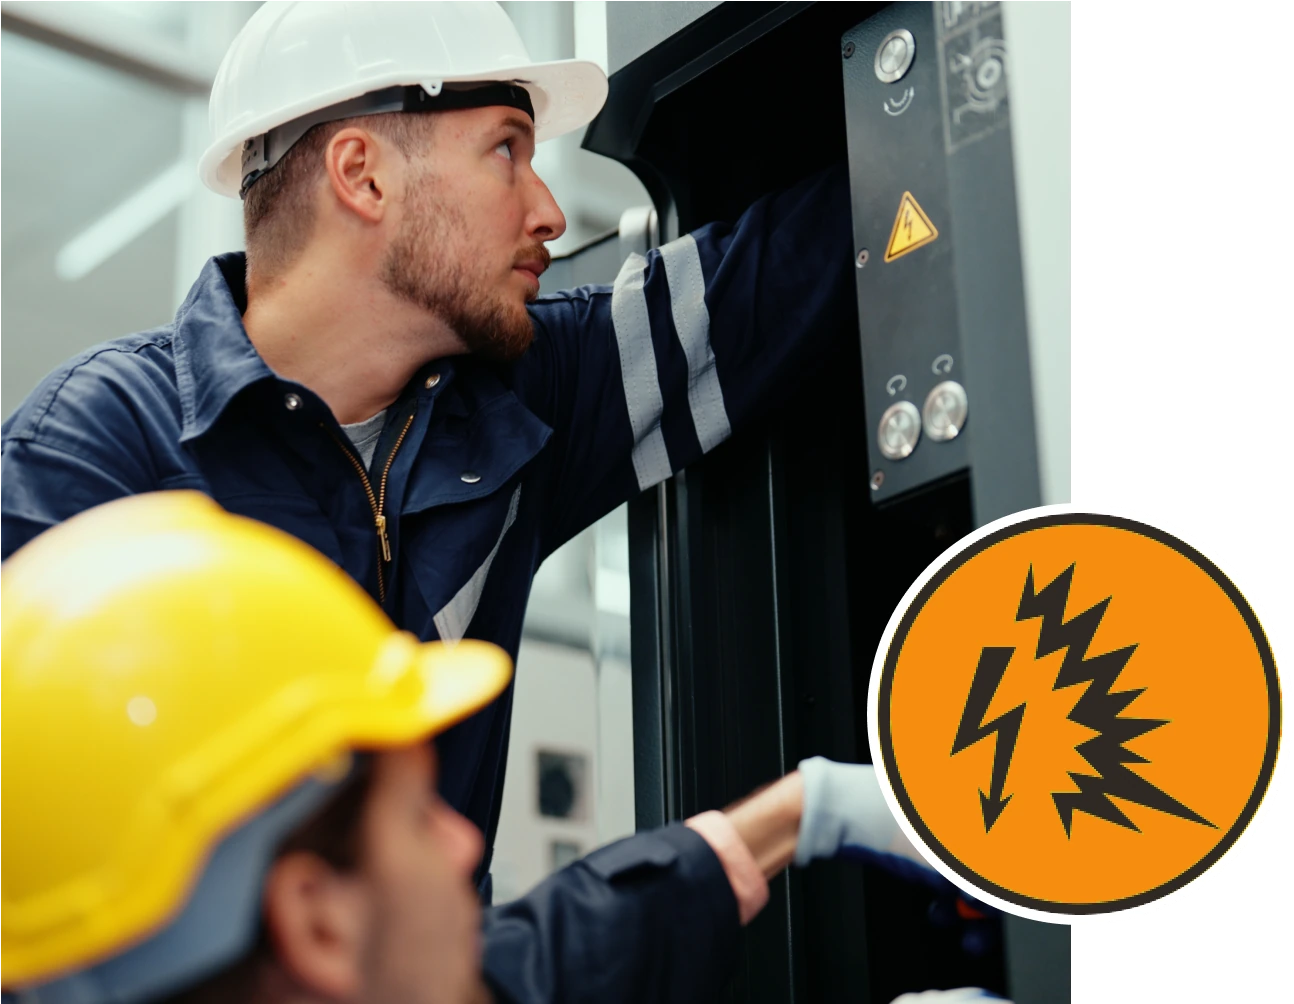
(1092, 509)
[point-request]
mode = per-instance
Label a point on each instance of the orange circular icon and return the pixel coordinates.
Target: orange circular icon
(1078, 713)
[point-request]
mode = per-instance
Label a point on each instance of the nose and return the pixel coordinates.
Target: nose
(546, 219)
(464, 844)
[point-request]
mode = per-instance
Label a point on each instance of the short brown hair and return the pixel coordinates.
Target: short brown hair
(278, 211)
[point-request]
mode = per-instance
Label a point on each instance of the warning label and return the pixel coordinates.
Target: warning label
(912, 229)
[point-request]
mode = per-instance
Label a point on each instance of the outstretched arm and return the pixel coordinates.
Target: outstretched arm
(655, 917)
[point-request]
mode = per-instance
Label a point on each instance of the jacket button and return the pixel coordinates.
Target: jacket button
(292, 402)
(470, 477)
(433, 380)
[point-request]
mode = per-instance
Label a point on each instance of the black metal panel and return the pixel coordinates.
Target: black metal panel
(907, 307)
(649, 640)
(990, 283)
(953, 308)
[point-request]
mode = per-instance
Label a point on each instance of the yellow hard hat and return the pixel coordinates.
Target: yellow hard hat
(170, 671)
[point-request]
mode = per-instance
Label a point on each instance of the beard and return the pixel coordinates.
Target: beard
(426, 266)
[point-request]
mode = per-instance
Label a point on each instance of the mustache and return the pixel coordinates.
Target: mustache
(534, 253)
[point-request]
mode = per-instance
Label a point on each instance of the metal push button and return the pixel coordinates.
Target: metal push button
(945, 411)
(894, 55)
(900, 429)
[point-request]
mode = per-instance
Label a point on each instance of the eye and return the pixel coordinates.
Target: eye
(504, 149)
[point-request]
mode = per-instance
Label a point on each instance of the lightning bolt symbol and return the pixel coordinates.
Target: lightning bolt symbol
(1098, 709)
(988, 674)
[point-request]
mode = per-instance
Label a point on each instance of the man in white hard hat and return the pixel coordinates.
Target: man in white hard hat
(377, 376)
(218, 787)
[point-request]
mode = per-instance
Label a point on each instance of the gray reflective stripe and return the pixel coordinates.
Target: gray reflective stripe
(638, 370)
(457, 614)
(692, 322)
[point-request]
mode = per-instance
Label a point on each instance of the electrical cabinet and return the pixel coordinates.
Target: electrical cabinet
(763, 576)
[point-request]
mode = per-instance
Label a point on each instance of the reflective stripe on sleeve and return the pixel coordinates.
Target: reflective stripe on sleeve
(638, 370)
(692, 322)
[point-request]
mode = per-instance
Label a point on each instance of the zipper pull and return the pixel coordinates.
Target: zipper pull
(382, 538)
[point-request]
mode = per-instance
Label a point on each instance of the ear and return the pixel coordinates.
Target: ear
(358, 173)
(318, 921)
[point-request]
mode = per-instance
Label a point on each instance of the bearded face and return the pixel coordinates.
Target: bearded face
(442, 263)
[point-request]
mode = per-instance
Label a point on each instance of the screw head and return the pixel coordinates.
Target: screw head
(861, 260)
(878, 479)
(848, 50)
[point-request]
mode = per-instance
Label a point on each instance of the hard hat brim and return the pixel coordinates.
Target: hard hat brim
(459, 680)
(567, 95)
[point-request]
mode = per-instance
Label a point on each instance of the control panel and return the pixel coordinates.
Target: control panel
(917, 398)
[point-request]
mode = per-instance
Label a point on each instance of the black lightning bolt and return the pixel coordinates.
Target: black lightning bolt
(988, 674)
(1097, 708)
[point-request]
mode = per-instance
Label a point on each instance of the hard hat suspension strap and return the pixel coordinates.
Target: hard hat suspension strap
(261, 153)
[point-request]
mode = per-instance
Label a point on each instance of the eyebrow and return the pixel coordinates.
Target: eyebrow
(517, 123)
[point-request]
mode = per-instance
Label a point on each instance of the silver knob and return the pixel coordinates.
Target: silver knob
(894, 55)
(945, 411)
(899, 431)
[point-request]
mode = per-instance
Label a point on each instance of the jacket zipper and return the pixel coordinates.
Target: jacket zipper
(378, 504)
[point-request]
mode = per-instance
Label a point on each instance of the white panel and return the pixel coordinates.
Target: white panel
(555, 707)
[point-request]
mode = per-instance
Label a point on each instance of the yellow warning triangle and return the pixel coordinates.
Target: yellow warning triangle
(912, 229)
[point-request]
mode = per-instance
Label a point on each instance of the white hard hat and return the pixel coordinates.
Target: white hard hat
(300, 64)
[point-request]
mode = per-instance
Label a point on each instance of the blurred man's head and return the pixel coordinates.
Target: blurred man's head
(183, 817)
(369, 900)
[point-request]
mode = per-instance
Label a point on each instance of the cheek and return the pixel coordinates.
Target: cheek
(496, 215)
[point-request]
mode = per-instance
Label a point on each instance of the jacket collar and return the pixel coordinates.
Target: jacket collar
(215, 361)
(214, 358)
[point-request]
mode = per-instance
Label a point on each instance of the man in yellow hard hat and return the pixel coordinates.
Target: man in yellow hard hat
(217, 786)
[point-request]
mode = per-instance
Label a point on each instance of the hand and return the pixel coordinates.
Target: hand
(845, 815)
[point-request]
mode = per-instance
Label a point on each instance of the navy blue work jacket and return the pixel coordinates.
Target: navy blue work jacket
(482, 470)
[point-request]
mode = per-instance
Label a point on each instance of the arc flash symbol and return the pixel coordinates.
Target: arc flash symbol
(1097, 708)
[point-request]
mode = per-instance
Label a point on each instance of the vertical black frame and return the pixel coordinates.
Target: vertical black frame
(763, 576)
